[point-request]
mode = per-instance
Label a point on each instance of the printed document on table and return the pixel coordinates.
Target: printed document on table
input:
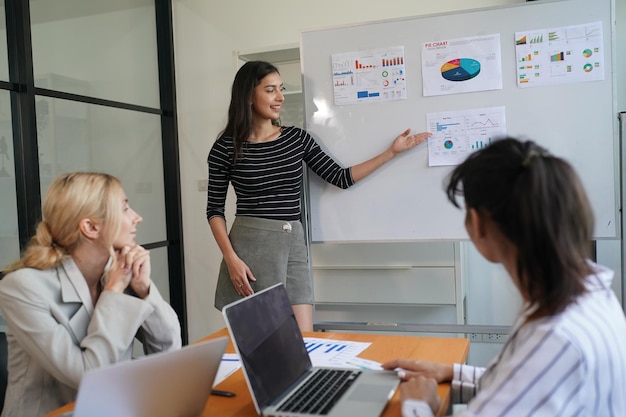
(335, 353)
(229, 364)
(323, 352)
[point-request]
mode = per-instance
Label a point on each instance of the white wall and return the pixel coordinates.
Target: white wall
(206, 34)
(620, 61)
(620, 66)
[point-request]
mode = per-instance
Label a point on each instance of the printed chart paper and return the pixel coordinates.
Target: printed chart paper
(562, 55)
(333, 353)
(229, 364)
(461, 65)
(366, 76)
(456, 134)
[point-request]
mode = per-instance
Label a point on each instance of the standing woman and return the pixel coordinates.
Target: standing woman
(566, 353)
(263, 161)
(79, 295)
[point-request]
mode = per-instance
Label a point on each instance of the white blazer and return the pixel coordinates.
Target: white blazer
(55, 334)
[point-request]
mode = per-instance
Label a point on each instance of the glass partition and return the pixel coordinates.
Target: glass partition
(9, 242)
(74, 136)
(109, 45)
(4, 58)
(9, 237)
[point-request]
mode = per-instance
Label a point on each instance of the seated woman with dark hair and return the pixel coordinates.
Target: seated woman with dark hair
(566, 353)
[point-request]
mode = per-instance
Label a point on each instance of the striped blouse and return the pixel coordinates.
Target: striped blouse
(268, 176)
(571, 364)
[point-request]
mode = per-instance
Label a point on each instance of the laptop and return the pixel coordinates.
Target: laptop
(167, 384)
(278, 369)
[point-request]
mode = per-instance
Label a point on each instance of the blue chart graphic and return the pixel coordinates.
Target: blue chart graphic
(457, 134)
(326, 347)
(479, 144)
(460, 69)
(443, 126)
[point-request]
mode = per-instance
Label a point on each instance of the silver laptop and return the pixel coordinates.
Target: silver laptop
(278, 370)
(167, 384)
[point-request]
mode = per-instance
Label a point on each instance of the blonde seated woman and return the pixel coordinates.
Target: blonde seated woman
(79, 296)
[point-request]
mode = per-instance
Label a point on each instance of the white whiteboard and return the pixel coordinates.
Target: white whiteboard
(404, 200)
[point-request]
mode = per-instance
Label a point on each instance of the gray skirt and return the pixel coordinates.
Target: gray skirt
(275, 251)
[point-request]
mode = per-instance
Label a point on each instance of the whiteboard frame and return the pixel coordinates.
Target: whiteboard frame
(383, 207)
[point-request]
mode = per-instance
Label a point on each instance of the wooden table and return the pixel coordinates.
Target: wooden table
(383, 347)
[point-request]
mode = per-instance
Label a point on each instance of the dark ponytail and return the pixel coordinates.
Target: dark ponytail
(540, 205)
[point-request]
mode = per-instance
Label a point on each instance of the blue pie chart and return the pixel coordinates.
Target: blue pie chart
(460, 69)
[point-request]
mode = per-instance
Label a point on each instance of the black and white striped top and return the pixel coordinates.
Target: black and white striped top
(267, 177)
(571, 364)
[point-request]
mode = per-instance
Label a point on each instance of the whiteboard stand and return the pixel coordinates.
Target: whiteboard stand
(622, 123)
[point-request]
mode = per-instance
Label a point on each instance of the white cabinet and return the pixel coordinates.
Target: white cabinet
(382, 283)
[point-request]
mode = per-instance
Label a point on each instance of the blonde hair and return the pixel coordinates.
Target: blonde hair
(70, 198)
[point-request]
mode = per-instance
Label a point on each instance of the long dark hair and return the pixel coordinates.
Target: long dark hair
(539, 203)
(239, 125)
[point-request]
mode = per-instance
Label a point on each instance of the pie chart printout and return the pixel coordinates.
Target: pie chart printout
(460, 69)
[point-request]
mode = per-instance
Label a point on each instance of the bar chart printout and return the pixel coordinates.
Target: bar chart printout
(457, 134)
(568, 54)
(366, 76)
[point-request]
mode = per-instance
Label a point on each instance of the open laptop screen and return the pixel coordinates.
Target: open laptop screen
(269, 341)
(164, 384)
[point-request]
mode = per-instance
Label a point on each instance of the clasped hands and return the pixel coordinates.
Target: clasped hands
(130, 269)
(420, 379)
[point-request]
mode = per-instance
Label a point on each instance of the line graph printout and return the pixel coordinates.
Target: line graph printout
(461, 65)
(456, 134)
(372, 75)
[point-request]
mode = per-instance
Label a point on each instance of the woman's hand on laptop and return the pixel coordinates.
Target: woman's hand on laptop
(410, 368)
(421, 388)
(420, 379)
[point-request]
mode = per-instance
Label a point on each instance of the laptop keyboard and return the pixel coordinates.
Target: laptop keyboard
(320, 392)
